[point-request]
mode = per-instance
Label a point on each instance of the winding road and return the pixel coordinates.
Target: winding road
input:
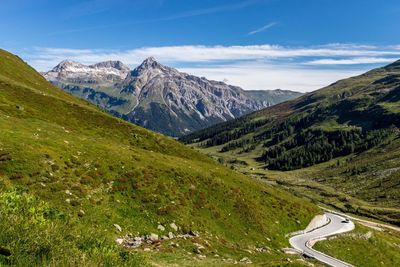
(303, 242)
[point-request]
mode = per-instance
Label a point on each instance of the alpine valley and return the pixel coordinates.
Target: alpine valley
(339, 145)
(161, 98)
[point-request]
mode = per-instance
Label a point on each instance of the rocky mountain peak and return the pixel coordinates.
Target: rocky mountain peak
(65, 65)
(151, 63)
(112, 64)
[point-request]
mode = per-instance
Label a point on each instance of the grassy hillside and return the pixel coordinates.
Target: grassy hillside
(364, 247)
(338, 145)
(69, 172)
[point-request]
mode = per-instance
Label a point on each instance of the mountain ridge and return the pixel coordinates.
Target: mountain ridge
(162, 98)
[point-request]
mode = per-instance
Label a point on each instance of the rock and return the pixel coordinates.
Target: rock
(164, 237)
(161, 228)
(119, 241)
(262, 249)
(198, 249)
(153, 237)
(134, 243)
(118, 227)
(246, 260)
(290, 251)
(202, 256)
(146, 249)
(170, 235)
(81, 213)
(193, 233)
(175, 244)
(173, 226)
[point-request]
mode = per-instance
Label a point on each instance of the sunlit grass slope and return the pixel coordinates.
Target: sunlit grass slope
(69, 172)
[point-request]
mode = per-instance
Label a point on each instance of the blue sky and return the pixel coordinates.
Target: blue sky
(257, 44)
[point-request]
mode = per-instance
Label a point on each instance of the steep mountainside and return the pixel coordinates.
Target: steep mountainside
(161, 98)
(353, 122)
(73, 180)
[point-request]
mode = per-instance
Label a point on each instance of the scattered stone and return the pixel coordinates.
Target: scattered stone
(198, 249)
(161, 228)
(146, 249)
(81, 213)
(173, 226)
(262, 249)
(118, 227)
(153, 237)
(164, 237)
(170, 235)
(174, 244)
(193, 233)
(290, 251)
(119, 241)
(246, 260)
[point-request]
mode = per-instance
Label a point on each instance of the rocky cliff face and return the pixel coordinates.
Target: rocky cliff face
(158, 97)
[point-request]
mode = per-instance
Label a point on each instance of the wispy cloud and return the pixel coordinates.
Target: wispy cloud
(352, 61)
(100, 7)
(252, 67)
(263, 28)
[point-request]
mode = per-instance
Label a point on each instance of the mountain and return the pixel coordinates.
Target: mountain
(74, 180)
(158, 97)
(342, 141)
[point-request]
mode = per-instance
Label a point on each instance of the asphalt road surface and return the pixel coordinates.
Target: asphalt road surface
(336, 225)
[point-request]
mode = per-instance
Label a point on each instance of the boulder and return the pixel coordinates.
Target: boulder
(118, 227)
(173, 226)
(170, 235)
(153, 237)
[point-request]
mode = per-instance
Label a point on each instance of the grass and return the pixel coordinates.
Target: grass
(60, 156)
(364, 247)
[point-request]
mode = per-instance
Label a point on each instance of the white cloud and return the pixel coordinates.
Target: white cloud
(270, 76)
(252, 67)
(351, 61)
(263, 28)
